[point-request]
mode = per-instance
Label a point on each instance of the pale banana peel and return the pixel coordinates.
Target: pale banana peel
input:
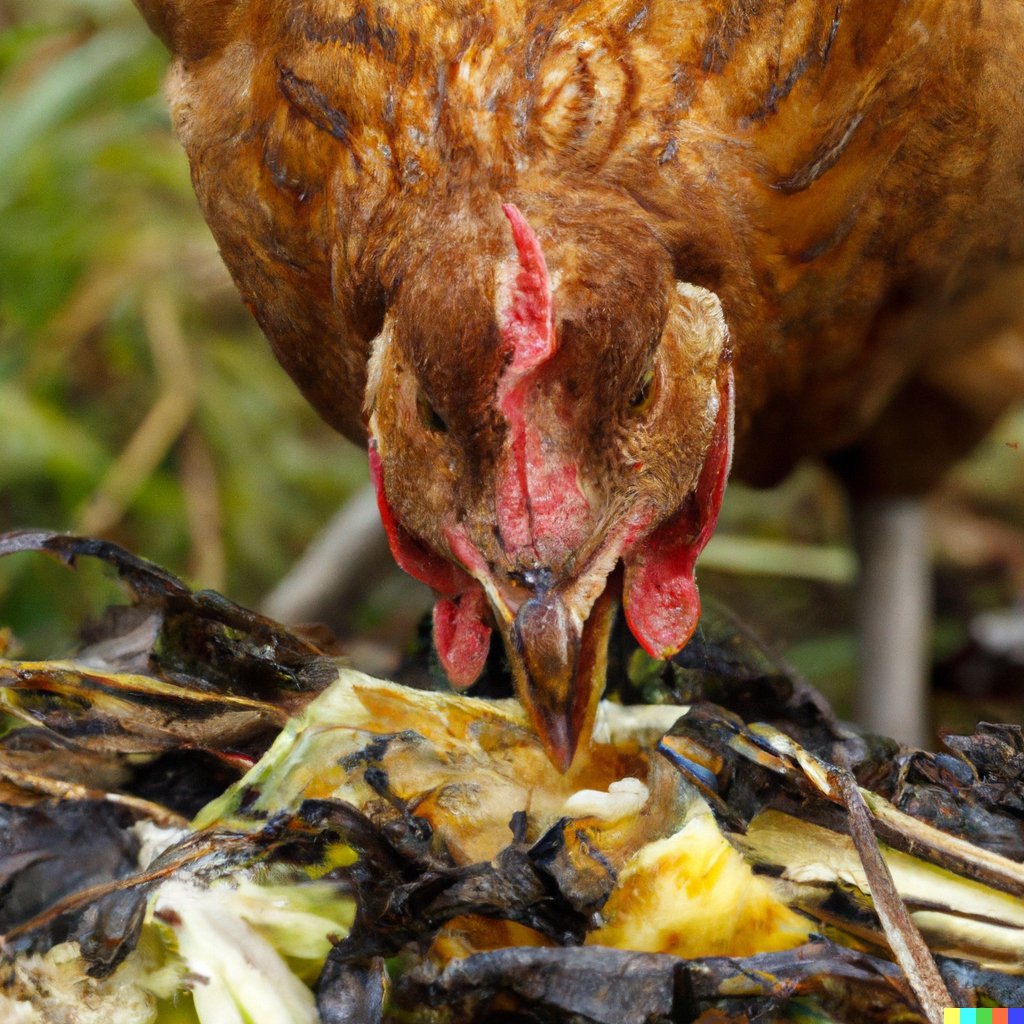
(684, 886)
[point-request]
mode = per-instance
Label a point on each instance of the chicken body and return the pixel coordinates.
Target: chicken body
(540, 254)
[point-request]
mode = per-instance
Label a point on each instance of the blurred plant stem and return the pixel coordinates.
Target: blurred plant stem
(162, 426)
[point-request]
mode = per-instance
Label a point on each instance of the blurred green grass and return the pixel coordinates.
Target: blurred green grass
(138, 400)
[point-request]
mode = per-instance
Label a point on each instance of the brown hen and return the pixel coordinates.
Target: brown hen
(542, 256)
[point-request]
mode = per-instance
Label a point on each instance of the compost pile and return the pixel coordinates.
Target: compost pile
(207, 816)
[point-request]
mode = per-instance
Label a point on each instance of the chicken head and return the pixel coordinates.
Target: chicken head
(537, 418)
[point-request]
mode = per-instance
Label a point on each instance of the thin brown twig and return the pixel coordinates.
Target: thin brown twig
(136, 464)
(904, 937)
(75, 791)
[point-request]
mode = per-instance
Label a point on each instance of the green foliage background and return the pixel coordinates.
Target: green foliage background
(138, 399)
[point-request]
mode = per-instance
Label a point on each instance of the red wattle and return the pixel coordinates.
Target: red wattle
(410, 553)
(461, 636)
(660, 595)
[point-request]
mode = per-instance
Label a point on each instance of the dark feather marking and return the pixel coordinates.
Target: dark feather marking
(356, 30)
(827, 48)
(587, 86)
(831, 240)
(412, 171)
(281, 174)
(811, 56)
(637, 20)
(551, 97)
(809, 174)
(683, 90)
(538, 48)
(734, 25)
(780, 92)
(309, 101)
(521, 115)
(275, 145)
(715, 57)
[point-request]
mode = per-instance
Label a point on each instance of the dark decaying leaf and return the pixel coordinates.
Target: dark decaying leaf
(820, 981)
(45, 755)
(50, 851)
(408, 887)
(131, 714)
(197, 638)
(745, 770)
(130, 735)
(163, 708)
(183, 780)
(109, 928)
(593, 984)
(103, 911)
(352, 993)
(36, 764)
(976, 792)
(741, 773)
(598, 985)
(169, 699)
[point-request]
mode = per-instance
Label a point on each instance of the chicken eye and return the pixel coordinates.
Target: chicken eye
(641, 399)
(429, 416)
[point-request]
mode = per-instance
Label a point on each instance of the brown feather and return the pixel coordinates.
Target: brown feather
(825, 166)
(847, 176)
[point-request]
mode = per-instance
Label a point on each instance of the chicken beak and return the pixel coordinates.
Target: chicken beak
(547, 639)
(555, 636)
(559, 657)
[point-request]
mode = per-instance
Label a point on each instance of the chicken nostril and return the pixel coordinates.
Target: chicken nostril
(539, 580)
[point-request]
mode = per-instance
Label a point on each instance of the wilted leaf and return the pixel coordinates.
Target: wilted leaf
(977, 792)
(199, 638)
(129, 714)
(819, 982)
(428, 831)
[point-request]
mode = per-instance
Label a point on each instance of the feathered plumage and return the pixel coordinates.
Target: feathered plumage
(556, 238)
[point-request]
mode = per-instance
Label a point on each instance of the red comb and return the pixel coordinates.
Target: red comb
(527, 326)
(538, 496)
